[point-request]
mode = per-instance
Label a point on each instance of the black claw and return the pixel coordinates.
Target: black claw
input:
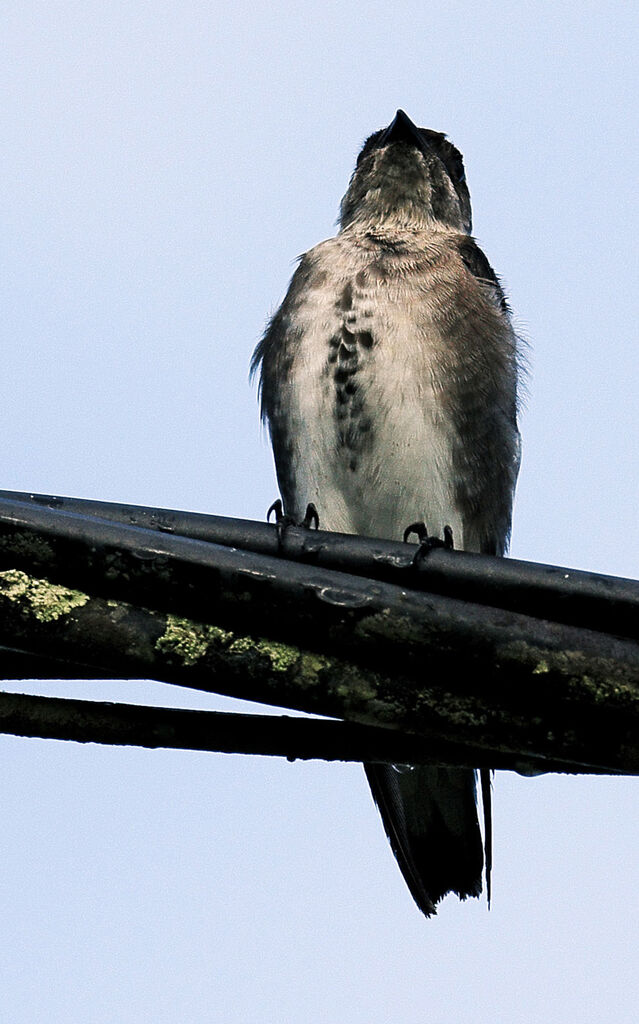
(426, 542)
(312, 516)
(282, 522)
(277, 508)
(417, 528)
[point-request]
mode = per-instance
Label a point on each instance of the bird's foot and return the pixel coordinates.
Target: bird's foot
(282, 521)
(428, 543)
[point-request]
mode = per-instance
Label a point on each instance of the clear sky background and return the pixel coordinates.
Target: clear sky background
(162, 166)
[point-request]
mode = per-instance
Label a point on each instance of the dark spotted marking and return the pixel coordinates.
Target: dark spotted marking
(346, 353)
(341, 376)
(333, 345)
(346, 299)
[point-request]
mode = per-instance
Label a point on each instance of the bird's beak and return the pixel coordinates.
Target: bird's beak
(401, 129)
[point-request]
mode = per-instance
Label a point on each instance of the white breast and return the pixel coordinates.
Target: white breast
(402, 469)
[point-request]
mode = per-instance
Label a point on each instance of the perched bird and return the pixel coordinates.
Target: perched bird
(388, 380)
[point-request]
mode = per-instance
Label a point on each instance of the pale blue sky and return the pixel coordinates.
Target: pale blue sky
(163, 164)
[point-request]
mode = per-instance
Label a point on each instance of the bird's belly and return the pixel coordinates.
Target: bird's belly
(376, 454)
(400, 473)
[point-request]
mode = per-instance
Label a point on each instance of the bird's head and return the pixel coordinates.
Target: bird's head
(408, 178)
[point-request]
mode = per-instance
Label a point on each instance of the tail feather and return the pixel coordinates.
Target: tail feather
(430, 818)
(485, 775)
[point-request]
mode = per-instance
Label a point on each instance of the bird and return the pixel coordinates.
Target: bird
(389, 380)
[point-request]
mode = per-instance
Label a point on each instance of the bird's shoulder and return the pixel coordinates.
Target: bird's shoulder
(477, 264)
(308, 289)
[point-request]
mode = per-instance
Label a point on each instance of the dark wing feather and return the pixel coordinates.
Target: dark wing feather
(477, 263)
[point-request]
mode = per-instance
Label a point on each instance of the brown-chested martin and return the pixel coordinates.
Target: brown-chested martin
(389, 384)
